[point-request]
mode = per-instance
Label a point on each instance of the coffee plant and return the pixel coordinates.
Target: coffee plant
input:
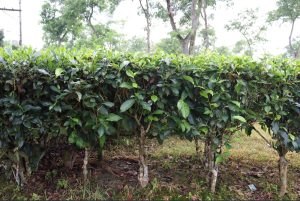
(85, 97)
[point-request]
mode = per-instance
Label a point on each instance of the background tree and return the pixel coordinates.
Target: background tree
(223, 50)
(208, 38)
(169, 45)
(246, 24)
(145, 6)
(242, 47)
(133, 45)
(1, 38)
(288, 11)
(183, 16)
(66, 21)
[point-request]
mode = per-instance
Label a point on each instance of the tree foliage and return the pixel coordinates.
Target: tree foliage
(66, 21)
(246, 24)
(169, 45)
(288, 11)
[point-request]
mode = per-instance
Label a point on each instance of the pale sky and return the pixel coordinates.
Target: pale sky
(277, 34)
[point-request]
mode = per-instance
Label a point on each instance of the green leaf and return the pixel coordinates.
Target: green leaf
(152, 118)
(154, 98)
(76, 121)
(248, 130)
(43, 71)
(135, 85)
(236, 103)
(240, 118)
(292, 137)
(113, 117)
(101, 131)
(102, 140)
(72, 138)
(124, 64)
(80, 143)
(57, 108)
(127, 105)
(109, 104)
(54, 88)
(189, 78)
(158, 112)
(184, 108)
(267, 109)
(58, 72)
(205, 93)
(79, 95)
(207, 111)
(75, 139)
(103, 110)
(126, 85)
(146, 106)
(130, 73)
(204, 130)
(219, 159)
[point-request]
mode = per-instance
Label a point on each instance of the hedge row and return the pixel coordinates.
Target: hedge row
(87, 96)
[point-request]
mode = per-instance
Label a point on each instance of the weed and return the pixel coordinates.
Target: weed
(35, 196)
(62, 184)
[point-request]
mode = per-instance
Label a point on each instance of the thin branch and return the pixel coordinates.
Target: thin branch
(172, 21)
(138, 119)
(148, 20)
(261, 135)
(291, 34)
(143, 8)
(148, 127)
(89, 19)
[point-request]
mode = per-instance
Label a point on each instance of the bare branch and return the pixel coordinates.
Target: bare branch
(261, 135)
(148, 127)
(172, 21)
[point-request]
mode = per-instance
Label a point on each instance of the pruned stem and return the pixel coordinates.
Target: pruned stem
(143, 176)
(283, 170)
(85, 163)
(213, 169)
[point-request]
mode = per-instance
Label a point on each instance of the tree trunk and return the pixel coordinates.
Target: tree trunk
(100, 154)
(195, 24)
(283, 170)
(185, 46)
(188, 42)
(192, 43)
(19, 169)
(143, 176)
(146, 11)
(148, 37)
(291, 38)
(85, 163)
(204, 16)
(212, 166)
(214, 176)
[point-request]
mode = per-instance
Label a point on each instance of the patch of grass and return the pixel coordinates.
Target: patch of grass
(89, 192)
(10, 191)
(174, 146)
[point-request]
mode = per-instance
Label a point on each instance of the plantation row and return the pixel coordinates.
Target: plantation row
(89, 96)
